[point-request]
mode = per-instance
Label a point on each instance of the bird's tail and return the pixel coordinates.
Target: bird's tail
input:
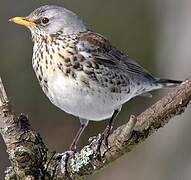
(168, 82)
(157, 83)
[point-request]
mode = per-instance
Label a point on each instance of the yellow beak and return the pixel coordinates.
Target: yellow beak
(22, 21)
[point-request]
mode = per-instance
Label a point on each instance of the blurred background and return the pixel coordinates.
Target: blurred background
(157, 33)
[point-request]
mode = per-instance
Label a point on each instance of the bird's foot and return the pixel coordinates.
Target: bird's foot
(98, 153)
(92, 139)
(103, 142)
(64, 157)
(107, 132)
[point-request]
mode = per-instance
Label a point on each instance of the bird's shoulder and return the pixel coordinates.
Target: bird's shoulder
(95, 41)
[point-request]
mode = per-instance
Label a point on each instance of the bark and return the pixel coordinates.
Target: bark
(31, 159)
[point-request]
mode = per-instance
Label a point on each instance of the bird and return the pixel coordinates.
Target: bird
(80, 71)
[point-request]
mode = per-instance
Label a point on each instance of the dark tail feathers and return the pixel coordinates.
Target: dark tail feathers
(168, 82)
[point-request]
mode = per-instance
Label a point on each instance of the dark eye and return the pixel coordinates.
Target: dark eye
(45, 20)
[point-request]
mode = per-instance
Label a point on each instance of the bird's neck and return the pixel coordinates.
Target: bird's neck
(47, 38)
(39, 38)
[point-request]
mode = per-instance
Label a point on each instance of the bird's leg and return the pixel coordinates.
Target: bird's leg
(105, 135)
(109, 127)
(84, 124)
(66, 155)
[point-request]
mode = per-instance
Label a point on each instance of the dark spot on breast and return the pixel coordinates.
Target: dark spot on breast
(62, 56)
(70, 52)
(46, 48)
(53, 51)
(68, 70)
(114, 90)
(55, 43)
(73, 74)
(76, 65)
(39, 78)
(88, 71)
(118, 82)
(68, 64)
(41, 54)
(45, 81)
(75, 58)
(41, 71)
(88, 64)
(99, 91)
(94, 65)
(128, 90)
(81, 58)
(85, 81)
(60, 66)
(70, 46)
(66, 60)
(66, 45)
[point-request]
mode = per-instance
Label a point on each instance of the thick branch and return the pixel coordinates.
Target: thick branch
(24, 146)
(28, 154)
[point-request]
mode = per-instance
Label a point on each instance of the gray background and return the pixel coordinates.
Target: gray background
(155, 32)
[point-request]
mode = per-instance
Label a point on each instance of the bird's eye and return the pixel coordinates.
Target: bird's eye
(45, 20)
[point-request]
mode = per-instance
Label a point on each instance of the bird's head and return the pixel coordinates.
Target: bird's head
(49, 19)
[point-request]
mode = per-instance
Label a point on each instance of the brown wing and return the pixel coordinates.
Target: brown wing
(104, 53)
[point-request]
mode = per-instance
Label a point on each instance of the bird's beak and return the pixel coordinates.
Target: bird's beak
(22, 21)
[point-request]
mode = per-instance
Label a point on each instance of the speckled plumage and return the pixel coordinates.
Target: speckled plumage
(95, 69)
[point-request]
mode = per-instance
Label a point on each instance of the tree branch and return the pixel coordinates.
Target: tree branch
(30, 158)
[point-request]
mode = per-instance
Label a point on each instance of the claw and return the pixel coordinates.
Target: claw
(106, 135)
(106, 142)
(92, 139)
(64, 160)
(99, 144)
(102, 141)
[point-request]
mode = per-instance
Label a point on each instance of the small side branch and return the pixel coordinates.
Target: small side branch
(29, 156)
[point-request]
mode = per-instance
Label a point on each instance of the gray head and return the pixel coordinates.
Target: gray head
(50, 19)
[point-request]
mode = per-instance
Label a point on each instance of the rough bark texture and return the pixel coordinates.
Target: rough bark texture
(30, 158)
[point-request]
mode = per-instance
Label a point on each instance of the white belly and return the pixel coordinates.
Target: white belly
(80, 101)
